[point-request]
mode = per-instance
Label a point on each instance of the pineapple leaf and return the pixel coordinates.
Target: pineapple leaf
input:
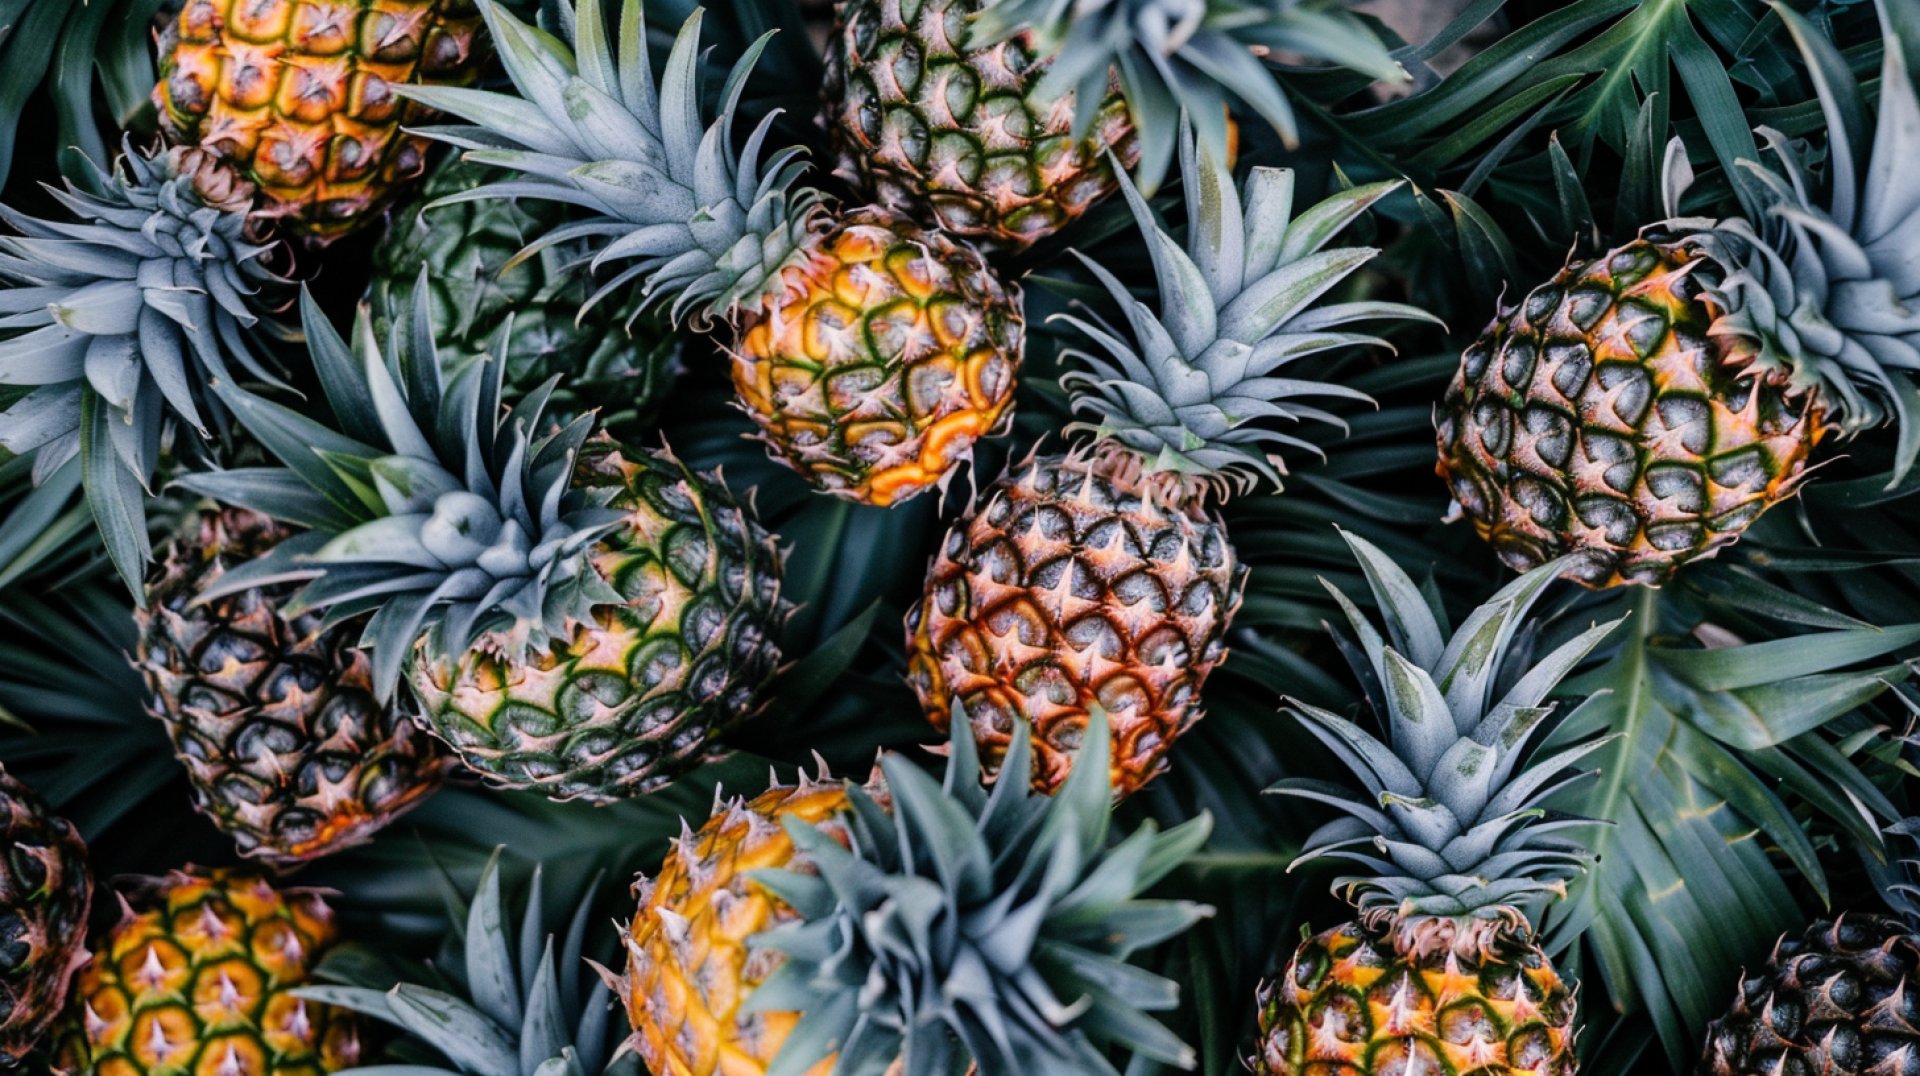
(1683, 894)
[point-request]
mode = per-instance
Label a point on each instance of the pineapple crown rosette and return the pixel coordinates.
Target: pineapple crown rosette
(965, 925)
(1454, 820)
(116, 321)
(1454, 841)
(908, 925)
(1183, 407)
(1175, 57)
(520, 1006)
(1191, 391)
(871, 353)
(577, 617)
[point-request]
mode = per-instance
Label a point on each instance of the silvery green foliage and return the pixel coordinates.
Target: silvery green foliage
(1829, 295)
(516, 1008)
(591, 126)
(1191, 57)
(117, 320)
(968, 925)
(1451, 818)
(1183, 389)
(428, 505)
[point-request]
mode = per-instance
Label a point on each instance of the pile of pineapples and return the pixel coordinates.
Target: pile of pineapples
(926, 537)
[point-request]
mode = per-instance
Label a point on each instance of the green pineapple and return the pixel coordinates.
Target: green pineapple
(609, 356)
(571, 614)
(1441, 972)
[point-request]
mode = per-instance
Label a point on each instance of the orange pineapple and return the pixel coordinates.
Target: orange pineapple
(298, 94)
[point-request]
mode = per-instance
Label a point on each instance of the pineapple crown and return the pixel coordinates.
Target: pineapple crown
(117, 320)
(429, 506)
(967, 923)
(592, 128)
(1453, 821)
(512, 1007)
(1828, 297)
(1182, 56)
(1183, 390)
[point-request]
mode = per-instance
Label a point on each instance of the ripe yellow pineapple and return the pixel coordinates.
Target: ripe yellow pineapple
(826, 927)
(879, 358)
(689, 967)
(298, 94)
(871, 352)
(1103, 579)
(201, 980)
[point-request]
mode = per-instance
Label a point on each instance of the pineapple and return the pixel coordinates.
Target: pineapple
(1441, 971)
(299, 96)
(871, 353)
(571, 615)
(274, 718)
(1104, 577)
(112, 367)
(202, 979)
(957, 135)
(823, 927)
(617, 360)
(45, 893)
(1641, 410)
(1835, 998)
(536, 1020)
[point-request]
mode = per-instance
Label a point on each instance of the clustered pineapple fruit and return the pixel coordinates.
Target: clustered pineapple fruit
(471, 553)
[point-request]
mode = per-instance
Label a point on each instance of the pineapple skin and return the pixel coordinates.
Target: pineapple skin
(286, 748)
(609, 357)
(639, 695)
(1430, 994)
(1599, 418)
(689, 967)
(298, 95)
(200, 980)
(46, 891)
(875, 360)
(957, 137)
(1837, 999)
(1076, 583)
